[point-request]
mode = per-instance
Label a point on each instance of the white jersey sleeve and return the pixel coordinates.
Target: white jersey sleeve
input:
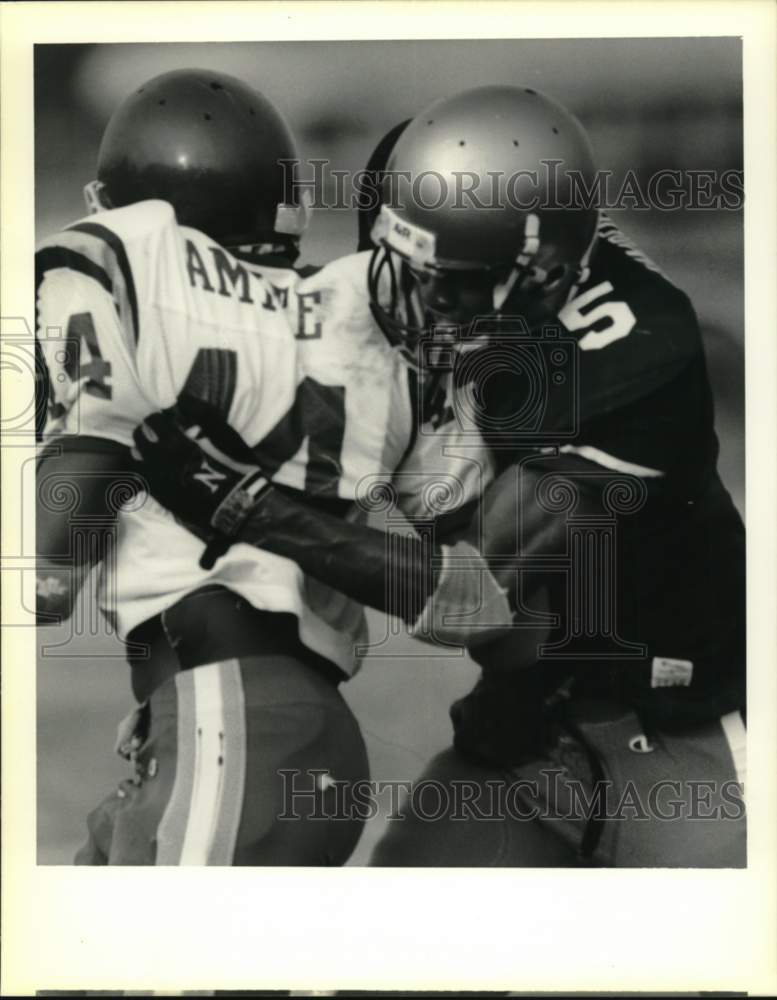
(87, 320)
(133, 309)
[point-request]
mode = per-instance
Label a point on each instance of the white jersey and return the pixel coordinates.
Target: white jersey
(133, 309)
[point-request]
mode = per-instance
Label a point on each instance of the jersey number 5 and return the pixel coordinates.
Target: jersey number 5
(616, 319)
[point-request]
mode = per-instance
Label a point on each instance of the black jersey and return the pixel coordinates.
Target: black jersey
(670, 593)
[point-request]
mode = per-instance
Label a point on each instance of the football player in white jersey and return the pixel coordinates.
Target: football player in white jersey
(180, 291)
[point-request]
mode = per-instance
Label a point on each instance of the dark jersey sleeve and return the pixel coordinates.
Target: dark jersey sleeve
(671, 589)
(628, 339)
(634, 329)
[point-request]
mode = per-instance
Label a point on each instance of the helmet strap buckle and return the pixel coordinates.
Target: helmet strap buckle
(96, 197)
(521, 266)
(503, 289)
(293, 220)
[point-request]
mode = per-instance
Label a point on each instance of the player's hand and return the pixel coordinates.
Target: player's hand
(190, 460)
(203, 420)
(502, 721)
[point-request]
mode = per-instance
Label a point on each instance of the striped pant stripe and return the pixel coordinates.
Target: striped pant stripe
(736, 737)
(233, 773)
(200, 822)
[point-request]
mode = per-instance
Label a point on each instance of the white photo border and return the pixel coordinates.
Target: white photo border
(174, 929)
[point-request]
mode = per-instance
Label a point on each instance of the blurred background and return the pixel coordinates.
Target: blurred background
(648, 105)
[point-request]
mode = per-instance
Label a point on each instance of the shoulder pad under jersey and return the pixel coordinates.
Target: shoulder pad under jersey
(635, 330)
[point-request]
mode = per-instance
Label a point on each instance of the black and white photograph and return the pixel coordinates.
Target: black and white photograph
(389, 462)
(544, 410)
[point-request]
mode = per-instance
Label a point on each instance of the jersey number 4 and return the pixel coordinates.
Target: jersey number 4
(82, 362)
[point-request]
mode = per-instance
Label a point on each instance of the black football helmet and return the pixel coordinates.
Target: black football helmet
(211, 146)
(370, 184)
(480, 215)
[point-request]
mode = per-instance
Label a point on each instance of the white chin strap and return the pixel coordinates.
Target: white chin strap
(531, 244)
(94, 197)
(585, 265)
(293, 220)
(523, 264)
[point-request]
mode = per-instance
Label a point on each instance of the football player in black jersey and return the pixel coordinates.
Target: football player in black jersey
(607, 727)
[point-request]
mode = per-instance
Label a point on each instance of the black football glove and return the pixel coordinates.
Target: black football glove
(503, 720)
(201, 470)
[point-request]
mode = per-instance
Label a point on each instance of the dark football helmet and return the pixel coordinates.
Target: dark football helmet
(483, 213)
(211, 146)
(370, 184)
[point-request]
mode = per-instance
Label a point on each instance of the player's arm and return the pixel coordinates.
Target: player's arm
(215, 488)
(461, 586)
(80, 483)
(86, 330)
(394, 574)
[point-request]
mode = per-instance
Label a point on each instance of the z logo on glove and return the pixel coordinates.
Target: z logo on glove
(202, 471)
(209, 477)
